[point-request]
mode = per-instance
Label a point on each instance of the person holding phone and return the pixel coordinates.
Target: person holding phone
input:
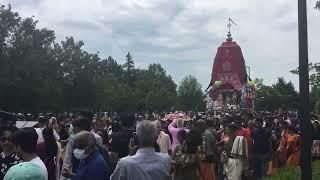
(92, 165)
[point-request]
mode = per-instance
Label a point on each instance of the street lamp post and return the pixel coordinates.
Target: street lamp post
(304, 109)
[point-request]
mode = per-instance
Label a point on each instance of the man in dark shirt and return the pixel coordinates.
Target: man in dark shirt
(119, 145)
(92, 165)
(120, 140)
(261, 149)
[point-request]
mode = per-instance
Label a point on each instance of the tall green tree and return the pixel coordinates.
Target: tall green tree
(284, 88)
(280, 95)
(190, 94)
(315, 85)
(38, 74)
(129, 65)
(129, 69)
(27, 67)
(162, 89)
(314, 78)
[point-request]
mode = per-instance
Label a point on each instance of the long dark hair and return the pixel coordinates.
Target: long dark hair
(193, 140)
(51, 146)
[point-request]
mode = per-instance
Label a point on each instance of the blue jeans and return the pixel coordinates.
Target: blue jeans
(259, 165)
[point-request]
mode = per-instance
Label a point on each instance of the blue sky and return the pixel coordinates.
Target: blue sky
(182, 35)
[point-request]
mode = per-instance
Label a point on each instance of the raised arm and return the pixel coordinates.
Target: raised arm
(172, 127)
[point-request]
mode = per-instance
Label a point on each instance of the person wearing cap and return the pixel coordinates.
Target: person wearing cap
(25, 171)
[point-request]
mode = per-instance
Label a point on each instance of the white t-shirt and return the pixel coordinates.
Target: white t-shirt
(37, 161)
(40, 136)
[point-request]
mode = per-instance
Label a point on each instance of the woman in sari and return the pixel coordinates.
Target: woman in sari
(281, 152)
(273, 163)
(293, 148)
(187, 160)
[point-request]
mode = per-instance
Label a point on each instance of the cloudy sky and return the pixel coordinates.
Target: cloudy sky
(182, 35)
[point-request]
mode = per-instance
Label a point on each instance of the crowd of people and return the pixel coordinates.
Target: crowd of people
(217, 146)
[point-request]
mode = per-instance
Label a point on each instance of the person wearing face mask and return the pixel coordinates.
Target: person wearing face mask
(78, 125)
(92, 164)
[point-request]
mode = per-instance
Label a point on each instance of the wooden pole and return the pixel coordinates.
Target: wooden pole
(304, 109)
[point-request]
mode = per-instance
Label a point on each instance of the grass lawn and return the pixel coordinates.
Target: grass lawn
(290, 173)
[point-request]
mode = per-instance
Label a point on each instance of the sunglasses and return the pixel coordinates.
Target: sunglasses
(4, 139)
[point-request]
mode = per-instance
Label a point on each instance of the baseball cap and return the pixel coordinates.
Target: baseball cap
(25, 171)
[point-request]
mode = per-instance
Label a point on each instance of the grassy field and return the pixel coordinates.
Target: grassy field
(290, 173)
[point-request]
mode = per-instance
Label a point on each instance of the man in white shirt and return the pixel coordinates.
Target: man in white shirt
(25, 140)
(146, 163)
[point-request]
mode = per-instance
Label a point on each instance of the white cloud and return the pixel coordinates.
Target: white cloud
(182, 35)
